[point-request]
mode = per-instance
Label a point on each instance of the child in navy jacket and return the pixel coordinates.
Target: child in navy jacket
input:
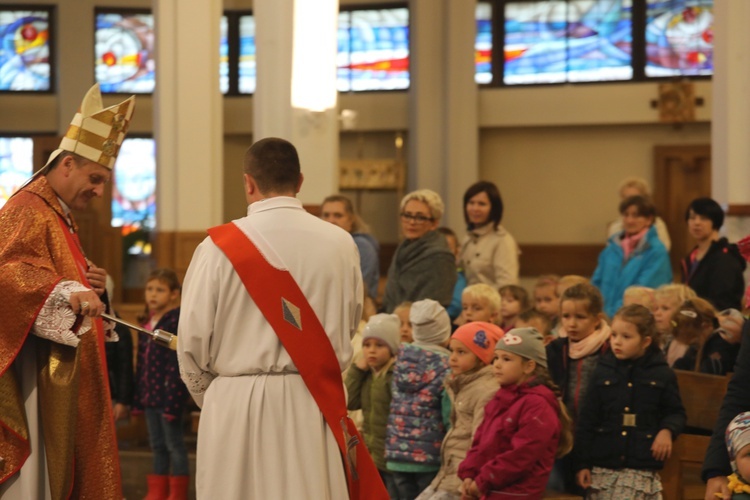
(631, 413)
(160, 393)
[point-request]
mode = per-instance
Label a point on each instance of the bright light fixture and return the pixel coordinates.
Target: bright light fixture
(314, 54)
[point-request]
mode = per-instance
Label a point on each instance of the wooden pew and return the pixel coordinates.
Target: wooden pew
(702, 396)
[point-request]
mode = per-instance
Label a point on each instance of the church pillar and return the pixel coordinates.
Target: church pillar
(188, 127)
(730, 119)
(443, 123)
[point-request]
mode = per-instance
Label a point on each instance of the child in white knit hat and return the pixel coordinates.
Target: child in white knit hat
(368, 384)
(417, 422)
(738, 446)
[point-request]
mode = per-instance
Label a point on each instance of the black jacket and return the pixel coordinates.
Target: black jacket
(718, 356)
(718, 277)
(558, 362)
(735, 402)
(120, 366)
(627, 404)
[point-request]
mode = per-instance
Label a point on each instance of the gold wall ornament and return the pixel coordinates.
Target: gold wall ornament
(371, 174)
(676, 102)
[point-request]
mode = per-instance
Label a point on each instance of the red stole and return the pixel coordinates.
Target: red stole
(83, 266)
(289, 313)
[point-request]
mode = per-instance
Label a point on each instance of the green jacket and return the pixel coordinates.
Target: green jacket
(372, 395)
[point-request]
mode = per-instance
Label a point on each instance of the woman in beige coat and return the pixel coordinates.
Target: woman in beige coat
(489, 254)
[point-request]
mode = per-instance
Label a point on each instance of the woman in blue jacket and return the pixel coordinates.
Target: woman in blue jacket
(634, 256)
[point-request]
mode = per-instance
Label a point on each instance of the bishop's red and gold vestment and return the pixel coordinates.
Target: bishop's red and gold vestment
(39, 250)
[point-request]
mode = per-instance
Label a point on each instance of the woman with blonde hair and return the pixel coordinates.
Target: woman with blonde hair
(423, 267)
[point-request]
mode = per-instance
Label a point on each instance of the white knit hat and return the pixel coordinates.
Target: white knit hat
(430, 322)
(384, 327)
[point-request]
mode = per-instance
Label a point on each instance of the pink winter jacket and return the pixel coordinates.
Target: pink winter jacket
(515, 445)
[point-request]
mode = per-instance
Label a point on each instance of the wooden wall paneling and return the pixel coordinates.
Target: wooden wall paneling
(386, 256)
(313, 209)
(175, 249)
(537, 259)
(738, 210)
(44, 145)
(682, 174)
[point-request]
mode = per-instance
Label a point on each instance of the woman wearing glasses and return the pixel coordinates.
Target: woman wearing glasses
(489, 254)
(423, 266)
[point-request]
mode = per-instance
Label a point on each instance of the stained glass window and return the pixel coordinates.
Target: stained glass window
(124, 50)
(16, 164)
(373, 49)
(247, 55)
(25, 50)
(224, 55)
(483, 43)
(549, 41)
(134, 186)
(679, 37)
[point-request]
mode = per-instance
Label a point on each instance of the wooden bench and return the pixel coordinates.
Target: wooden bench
(701, 396)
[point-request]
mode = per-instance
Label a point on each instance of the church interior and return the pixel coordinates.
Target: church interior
(558, 147)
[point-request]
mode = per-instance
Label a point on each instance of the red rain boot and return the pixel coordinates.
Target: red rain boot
(158, 487)
(178, 487)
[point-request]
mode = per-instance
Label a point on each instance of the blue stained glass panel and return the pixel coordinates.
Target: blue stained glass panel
(16, 164)
(568, 41)
(224, 55)
(679, 37)
(376, 47)
(343, 55)
(134, 186)
(124, 49)
(24, 50)
(483, 43)
(247, 55)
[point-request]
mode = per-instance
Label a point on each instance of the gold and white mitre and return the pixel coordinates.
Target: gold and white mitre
(97, 133)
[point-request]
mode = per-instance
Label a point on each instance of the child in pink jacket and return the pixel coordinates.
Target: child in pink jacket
(524, 426)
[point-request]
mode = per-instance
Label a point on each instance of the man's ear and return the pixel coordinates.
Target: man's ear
(299, 184)
(68, 164)
(250, 186)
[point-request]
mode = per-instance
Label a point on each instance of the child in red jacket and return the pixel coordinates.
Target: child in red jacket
(524, 428)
